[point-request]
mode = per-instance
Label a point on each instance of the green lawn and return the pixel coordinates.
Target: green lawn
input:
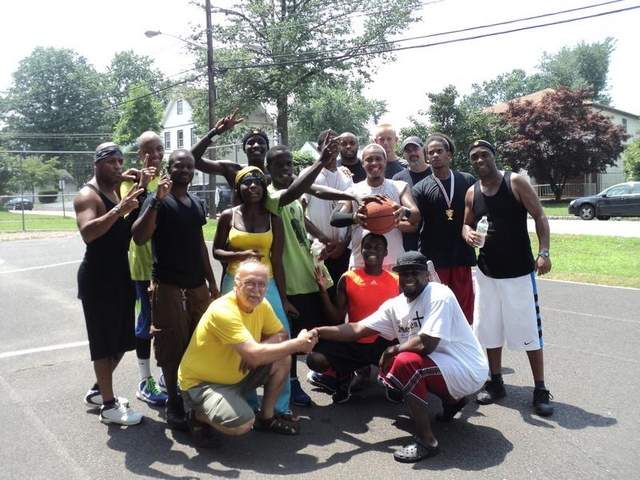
(12, 222)
(556, 209)
(594, 259)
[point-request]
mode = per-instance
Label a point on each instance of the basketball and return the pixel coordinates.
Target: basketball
(379, 217)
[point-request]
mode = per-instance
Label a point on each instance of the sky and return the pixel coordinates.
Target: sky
(97, 30)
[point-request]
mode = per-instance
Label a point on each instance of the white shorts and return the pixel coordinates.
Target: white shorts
(506, 311)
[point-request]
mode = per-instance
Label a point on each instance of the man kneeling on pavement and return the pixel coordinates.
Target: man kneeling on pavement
(436, 352)
(239, 344)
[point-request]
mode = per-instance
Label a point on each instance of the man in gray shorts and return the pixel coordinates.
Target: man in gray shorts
(239, 345)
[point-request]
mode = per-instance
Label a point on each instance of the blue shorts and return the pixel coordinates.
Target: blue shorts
(143, 309)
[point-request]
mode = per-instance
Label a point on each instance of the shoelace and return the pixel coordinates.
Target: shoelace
(152, 386)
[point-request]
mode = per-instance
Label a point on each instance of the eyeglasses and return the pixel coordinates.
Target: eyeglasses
(252, 284)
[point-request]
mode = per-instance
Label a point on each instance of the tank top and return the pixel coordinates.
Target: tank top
(105, 261)
(366, 293)
(507, 248)
(239, 240)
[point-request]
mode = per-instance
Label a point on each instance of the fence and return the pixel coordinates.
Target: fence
(571, 190)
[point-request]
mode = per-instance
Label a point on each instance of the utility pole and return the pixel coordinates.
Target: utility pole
(212, 97)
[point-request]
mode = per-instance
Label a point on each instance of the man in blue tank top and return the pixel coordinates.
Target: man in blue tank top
(506, 305)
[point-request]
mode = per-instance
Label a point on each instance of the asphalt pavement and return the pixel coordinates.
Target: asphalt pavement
(591, 335)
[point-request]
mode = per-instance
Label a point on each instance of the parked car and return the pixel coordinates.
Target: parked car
(622, 200)
(19, 203)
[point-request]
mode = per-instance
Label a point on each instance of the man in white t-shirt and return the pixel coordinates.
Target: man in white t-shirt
(436, 353)
(374, 160)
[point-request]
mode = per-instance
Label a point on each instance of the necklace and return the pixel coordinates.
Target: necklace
(448, 197)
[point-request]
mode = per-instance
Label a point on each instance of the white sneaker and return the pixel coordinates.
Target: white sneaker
(119, 414)
(93, 398)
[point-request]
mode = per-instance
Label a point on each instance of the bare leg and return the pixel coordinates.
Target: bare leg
(494, 356)
(420, 415)
(234, 431)
(536, 360)
(104, 375)
(277, 377)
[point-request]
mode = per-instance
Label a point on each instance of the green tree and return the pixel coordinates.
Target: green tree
(127, 69)
(140, 112)
(504, 87)
(275, 51)
(560, 137)
(338, 106)
(631, 158)
(57, 101)
(33, 172)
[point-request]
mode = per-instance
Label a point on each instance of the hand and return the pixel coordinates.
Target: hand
(398, 213)
(290, 310)
(329, 149)
(543, 265)
(132, 174)
(244, 366)
(320, 280)
(227, 123)
(213, 291)
(130, 201)
(387, 358)
(336, 248)
(146, 175)
(307, 340)
(164, 187)
(247, 254)
(372, 198)
(361, 216)
(473, 238)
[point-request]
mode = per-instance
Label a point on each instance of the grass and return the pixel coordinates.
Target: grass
(594, 259)
(556, 209)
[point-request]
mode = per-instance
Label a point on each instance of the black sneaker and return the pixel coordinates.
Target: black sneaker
(449, 410)
(491, 392)
(202, 434)
(176, 418)
(343, 392)
(541, 405)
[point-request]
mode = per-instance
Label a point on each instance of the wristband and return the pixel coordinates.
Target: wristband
(117, 209)
(543, 253)
(155, 204)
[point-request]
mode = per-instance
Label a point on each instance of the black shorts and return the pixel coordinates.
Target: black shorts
(311, 310)
(346, 358)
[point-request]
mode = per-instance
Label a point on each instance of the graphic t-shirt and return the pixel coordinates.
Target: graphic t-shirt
(210, 358)
(297, 260)
(436, 313)
(140, 256)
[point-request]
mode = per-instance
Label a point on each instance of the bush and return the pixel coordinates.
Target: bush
(301, 160)
(48, 196)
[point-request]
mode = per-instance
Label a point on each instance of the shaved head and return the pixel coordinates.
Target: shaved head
(251, 267)
(150, 149)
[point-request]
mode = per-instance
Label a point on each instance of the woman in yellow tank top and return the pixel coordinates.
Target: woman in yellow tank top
(249, 230)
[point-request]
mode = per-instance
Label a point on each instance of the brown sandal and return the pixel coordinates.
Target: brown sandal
(276, 424)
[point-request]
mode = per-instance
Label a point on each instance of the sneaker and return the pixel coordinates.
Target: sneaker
(176, 418)
(360, 379)
(449, 410)
(325, 382)
(298, 396)
(541, 405)
(119, 414)
(491, 392)
(343, 392)
(149, 392)
(93, 398)
(161, 385)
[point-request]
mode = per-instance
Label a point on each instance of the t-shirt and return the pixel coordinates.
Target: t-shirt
(177, 242)
(210, 358)
(393, 167)
(356, 169)
(410, 239)
(297, 260)
(441, 239)
(365, 293)
(436, 312)
(391, 189)
(319, 211)
(140, 257)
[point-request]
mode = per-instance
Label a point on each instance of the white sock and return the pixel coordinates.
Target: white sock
(144, 367)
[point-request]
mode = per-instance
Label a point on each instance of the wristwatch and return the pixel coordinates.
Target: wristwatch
(543, 253)
(117, 209)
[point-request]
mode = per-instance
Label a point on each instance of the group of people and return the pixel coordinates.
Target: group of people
(303, 275)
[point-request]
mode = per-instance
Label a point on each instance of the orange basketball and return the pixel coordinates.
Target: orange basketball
(379, 217)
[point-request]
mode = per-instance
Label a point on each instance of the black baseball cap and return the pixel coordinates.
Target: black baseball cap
(411, 260)
(482, 143)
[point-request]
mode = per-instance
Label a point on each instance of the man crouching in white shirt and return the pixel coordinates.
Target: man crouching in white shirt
(436, 352)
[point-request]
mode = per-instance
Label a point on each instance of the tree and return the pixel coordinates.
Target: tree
(632, 160)
(32, 172)
(55, 102)
(503, 88)
(341, 107)
(560, 137)
(127, 69)
(275, 51)
(142, 111)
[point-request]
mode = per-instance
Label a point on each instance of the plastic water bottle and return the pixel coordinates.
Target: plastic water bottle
(481, 229)
(316, 250)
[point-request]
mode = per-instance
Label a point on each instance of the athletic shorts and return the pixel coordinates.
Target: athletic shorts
(143, 308)
(311, 309)
(413, 374)
(346, 358)
(506, 312)
(226, 405)
(175, 313)
(460, 281)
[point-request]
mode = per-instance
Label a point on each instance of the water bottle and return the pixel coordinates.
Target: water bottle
(316, 250)
(481, 229)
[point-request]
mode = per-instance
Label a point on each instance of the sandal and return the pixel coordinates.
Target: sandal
(415, 452)
(276, 424)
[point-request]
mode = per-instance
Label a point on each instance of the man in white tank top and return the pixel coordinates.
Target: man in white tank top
(374, 161)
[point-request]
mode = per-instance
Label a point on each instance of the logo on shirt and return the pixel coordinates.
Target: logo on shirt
(410, 326)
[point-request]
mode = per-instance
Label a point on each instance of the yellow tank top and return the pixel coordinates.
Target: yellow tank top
(239, 240)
